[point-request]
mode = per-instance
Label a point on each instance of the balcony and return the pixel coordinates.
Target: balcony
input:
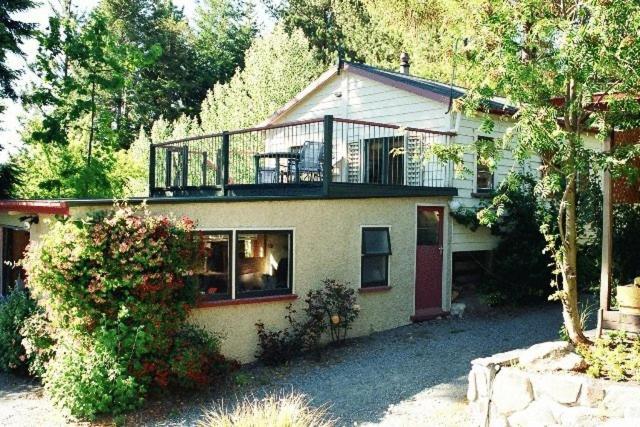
(319, 157)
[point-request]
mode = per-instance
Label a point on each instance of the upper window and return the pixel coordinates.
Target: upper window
(484, 175)
(263, 263)
(212, 271)
(376, 249)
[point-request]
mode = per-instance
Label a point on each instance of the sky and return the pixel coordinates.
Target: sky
(10, 120)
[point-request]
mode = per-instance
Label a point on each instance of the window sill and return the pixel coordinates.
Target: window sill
(241, 301)
(487, 195)
(375, 289)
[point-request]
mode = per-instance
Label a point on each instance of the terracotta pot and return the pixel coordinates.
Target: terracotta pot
(629, 299)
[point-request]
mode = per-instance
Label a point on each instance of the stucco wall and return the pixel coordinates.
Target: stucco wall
(327, 238)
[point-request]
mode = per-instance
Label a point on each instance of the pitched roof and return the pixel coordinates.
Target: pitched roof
(431, 89)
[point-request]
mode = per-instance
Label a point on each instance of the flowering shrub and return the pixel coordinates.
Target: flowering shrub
(38, 342)
(114, 288)
(332, 308)
(336, 302)
(14, 309)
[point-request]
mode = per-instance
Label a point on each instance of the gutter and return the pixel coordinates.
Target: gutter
(44, 207)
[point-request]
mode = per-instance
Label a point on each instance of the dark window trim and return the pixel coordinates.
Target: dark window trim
(382, 283)
(231, 267)
(268, 292)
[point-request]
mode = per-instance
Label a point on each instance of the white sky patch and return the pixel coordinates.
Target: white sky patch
(13, 117)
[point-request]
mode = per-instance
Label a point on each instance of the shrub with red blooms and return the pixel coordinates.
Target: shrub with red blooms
(115, 288)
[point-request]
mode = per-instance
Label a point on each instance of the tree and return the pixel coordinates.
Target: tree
(12, 32)
(569, 67)
(224, 30)
(339, 27)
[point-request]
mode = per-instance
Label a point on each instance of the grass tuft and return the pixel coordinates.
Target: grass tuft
(290, 410)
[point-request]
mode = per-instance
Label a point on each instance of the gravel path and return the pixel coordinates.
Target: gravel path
(410, 376)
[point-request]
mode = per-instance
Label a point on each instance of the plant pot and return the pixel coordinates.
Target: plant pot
(629, 299)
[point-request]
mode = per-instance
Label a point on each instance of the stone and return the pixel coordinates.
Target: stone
(591, 395)
(579, 416)
(472, 390)
(507, 358)
(568, 362)
(457, 309)
(561, 388)
(484, 377)
(620, 399)
(538, 353)
(537, 414)
(511, 391)
(619, 422)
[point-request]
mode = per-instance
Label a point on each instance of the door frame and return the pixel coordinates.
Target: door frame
(446, 249)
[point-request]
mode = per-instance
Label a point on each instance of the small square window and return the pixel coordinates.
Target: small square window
(376, 248)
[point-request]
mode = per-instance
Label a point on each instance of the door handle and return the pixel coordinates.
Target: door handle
(441, 249)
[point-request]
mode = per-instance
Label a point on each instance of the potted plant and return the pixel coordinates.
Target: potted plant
(629, 297)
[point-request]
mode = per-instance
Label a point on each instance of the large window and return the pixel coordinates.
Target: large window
(376, 249)
(213, 267)
(263, 263)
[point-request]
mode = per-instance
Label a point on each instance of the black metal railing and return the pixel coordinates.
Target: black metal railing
(321, 151)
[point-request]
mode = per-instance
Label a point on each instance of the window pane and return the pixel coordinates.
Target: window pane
(263, 264)
(375, 241)
(484, 178)
(212, 270)
(428, 227)
(374, 270)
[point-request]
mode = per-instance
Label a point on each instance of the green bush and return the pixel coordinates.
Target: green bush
(38, 342)
(114, 287)
(332, 308)
(521, 273)
(615, 356)
(88, 378)
(14, 310)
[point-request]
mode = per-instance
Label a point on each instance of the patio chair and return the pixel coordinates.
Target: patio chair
(309, 167)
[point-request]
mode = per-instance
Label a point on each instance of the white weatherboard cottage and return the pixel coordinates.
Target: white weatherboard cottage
(338, 183)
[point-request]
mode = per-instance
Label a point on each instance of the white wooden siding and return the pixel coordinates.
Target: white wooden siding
(351, 96)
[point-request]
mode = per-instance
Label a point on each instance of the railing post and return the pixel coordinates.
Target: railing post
(327, 162)
(225, 161)
(152, 168)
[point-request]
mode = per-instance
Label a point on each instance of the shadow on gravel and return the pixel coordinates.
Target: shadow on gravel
(362, 380)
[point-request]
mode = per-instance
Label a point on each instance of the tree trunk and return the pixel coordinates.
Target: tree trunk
(570, 310)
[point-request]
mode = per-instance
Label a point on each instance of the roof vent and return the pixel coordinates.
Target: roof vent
(404, 63)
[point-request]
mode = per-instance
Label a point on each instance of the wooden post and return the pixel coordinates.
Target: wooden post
(185, 167)
(152, 169)
(607, 240)
(225, 161)
(327, 162)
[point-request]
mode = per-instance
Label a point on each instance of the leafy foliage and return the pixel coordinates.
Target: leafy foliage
(615, 356)
(38, 342)
(331, 308)
(14, 310)
(554, 61)
(113, 287)
(521, 272)
(12, 33)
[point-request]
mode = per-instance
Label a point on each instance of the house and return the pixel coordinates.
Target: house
(339, 183)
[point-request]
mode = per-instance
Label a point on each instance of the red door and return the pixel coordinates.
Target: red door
(429, 248)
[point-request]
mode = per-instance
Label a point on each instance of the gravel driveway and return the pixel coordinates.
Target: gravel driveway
(410, 376)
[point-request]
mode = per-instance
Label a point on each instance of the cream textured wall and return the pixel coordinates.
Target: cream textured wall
(327, 237)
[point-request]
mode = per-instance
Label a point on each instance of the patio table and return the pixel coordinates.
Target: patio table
(277, 155)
